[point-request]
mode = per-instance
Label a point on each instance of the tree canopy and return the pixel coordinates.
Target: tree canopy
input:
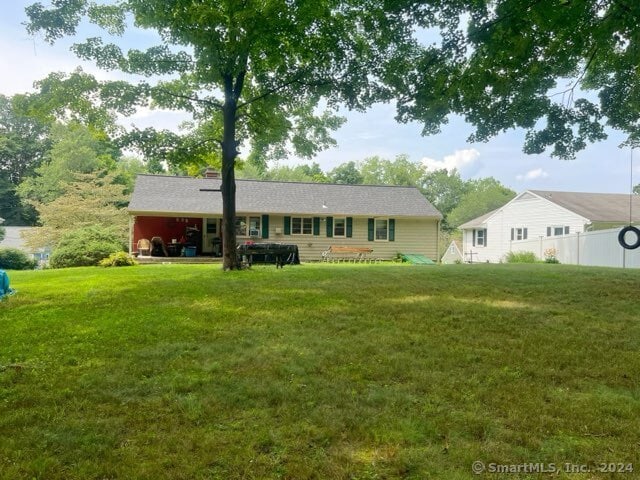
(267, 73)
(561, 69)
(482, 196)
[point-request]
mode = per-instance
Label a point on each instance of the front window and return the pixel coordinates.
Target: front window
(382, 229)
(241, 226)
(481, 238)
(248, 226)
(339, 227)
(557, 231)
(254, 226)
(519, 234)
(301, 226)
(212, 224)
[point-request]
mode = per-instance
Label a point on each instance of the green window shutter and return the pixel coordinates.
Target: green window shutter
(316, 226)
(349, 227)
(371, 229)
(287, 225)
(265, 226)
(485, 237)
(329, 226)
(392, 229)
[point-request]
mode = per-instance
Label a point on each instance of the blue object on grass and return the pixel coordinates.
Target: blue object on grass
(4, 285)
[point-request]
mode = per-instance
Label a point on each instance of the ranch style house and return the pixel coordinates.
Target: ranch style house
(314, 216)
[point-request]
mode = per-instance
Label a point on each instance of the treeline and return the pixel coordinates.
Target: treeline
(457, 199)
(65, 175)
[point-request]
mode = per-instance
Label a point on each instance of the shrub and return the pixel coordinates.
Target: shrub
(14, 259)
(85, 247)
(521, 257)
(118, 259)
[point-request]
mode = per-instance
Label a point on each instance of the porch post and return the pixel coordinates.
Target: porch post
(131, 221)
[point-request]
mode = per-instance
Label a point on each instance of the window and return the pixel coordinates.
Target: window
(339, 227)
(480, 238)
(254, 226)
(452, 249)
(519, 233)
(557, 231)
(301, 226)
(382, 229)
(241, 226)
(212, 224)
(248, 226)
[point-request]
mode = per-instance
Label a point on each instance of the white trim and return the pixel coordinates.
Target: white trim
(375, 229)
(344, 235)
(302, 234)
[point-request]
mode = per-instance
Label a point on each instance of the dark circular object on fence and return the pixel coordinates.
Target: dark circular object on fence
(623, 241)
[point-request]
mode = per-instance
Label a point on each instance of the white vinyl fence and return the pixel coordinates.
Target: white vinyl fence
(599, 248)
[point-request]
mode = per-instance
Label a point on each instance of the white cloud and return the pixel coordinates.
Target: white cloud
(533, 174)
(457, 160)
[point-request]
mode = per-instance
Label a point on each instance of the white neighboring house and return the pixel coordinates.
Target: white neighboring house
(538, 214)
(14, 239)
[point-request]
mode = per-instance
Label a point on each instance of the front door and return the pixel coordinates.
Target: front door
(212, 238)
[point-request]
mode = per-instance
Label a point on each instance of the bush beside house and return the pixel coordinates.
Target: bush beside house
(14, 259)
(86, 247)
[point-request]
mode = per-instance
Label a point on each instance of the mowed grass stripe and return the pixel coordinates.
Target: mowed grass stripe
(316, 371)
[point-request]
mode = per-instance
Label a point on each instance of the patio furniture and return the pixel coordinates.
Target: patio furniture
(278, 253)
(144, 247)
(158, 248)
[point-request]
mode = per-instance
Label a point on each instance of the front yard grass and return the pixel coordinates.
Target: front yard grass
(318, 371)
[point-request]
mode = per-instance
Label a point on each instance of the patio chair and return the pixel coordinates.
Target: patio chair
(144, 247)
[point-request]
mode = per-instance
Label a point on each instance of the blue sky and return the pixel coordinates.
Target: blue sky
(602, 167)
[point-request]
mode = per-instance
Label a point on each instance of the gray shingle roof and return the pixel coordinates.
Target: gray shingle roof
(597, 207)
(478, 221)
(183, 195)
(13, 238)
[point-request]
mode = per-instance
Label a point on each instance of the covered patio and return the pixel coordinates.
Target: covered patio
(174, 237)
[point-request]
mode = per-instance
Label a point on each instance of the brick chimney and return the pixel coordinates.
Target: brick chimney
(211, 173)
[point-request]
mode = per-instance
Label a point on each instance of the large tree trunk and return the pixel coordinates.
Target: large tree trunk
(229, 153)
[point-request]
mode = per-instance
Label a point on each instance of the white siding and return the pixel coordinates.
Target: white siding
(533, 213)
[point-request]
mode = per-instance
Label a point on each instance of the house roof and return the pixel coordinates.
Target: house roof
(597, 207)
(159, 194)
(479, 221)
(13, 238)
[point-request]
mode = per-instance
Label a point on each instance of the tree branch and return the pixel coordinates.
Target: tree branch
(572, 88)
(212, 103)
(282, 86)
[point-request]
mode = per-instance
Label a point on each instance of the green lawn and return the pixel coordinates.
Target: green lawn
(317, 371)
